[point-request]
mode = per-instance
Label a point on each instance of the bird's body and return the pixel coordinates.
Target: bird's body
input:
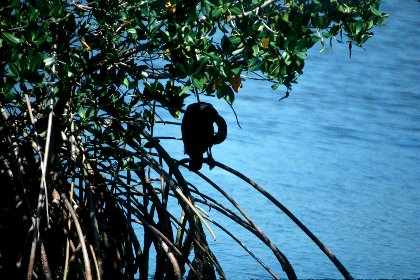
(198, 132)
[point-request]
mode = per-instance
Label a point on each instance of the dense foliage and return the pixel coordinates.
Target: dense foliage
(82, 83)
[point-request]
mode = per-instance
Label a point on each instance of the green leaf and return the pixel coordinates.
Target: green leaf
(364, 38)
(375, 11)
(81, 112)
(55, 8)
(14, 69)
(236, 11)
(237, 71)
(217, 12)
(184, 90)
(125, 82)
(37, 38)
(287, 58)
(90, 113)
(12, 38)
(40, 40)
(230, 96)
(291, 43)
(49, 61)
(302, 44)
(207, 7)
(35, 63)
(283, 70)
(254, 64)
(238, 51)
(202, 63)
(226, 92)
(197, 83)
(132, 31)
(180, 67)
(344, 9)
(33, 13)
(235, 40)
(273, 70)
(255, 50)
(359, 27)
(301, 55)
(8, 96)
(226, 44)
(369, 25)
(214, 57)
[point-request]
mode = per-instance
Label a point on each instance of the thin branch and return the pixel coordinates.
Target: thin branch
(245, 248)
(324, 249)
(287, 267)
(44, 261)
(88, 272)
(161, 238)
(172, 184)
(255, 10)
(95, 261)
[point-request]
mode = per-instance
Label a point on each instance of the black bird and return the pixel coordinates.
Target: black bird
(198, 132)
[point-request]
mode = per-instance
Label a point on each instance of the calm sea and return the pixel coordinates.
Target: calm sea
(342, 153)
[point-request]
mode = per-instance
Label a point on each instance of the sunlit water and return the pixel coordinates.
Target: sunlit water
(342, 153)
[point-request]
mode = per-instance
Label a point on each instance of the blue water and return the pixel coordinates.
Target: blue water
(342, 153)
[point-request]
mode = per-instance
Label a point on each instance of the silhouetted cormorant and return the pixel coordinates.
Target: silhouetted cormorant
(198, 132)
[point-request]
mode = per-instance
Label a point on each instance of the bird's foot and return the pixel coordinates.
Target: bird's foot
(211, 162)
